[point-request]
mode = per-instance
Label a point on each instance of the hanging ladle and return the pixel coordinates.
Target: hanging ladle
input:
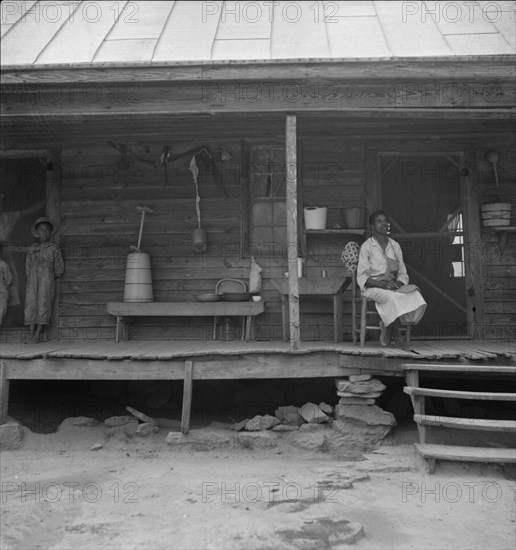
(492, 157)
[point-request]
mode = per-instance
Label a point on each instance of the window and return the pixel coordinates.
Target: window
(267, 201)
(455, 225)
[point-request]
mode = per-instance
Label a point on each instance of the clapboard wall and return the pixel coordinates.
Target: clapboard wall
(101, 189)
(499, 265)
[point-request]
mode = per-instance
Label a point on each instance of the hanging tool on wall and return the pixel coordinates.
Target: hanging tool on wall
(128, 155)
(163, 159)
(202, 152)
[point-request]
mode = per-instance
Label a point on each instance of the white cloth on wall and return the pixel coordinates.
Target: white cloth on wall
(255, 277)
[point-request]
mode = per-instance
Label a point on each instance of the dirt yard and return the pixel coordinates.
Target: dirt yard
(142, 493)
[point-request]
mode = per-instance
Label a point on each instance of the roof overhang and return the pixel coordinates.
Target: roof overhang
(454, 68)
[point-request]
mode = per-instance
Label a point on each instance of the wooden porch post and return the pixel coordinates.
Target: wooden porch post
(473, 250)
(187, 397)
(53, 211)
(292, 240)
(4, 393)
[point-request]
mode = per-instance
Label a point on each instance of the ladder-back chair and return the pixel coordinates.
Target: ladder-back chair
(363, 310)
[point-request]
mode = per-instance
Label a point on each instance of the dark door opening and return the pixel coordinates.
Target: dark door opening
(22, 200)
(422, 195)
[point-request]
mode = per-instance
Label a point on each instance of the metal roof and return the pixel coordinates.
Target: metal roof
(73, 33)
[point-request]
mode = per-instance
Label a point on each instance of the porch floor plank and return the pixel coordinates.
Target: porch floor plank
(28, 351)
(170, 349)
(423, 350)
(441, 349)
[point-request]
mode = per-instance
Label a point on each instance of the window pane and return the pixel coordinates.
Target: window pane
(262, 214)
(260, 185)
(280, 237)
(260, 156)
(261, 238)
(280, 213)
(279, 185)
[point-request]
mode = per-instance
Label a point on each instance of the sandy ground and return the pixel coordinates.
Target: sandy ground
(141, 493)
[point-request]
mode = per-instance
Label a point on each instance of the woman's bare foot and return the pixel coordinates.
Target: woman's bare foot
(385, 335)
(398, 337)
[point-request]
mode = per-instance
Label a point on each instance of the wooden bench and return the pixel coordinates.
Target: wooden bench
(418, 394)
(124, 310)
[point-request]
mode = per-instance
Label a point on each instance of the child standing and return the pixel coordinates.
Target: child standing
(6, 279)
(43, 265)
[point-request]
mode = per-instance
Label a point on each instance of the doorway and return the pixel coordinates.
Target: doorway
(23, 193)
(423, 195)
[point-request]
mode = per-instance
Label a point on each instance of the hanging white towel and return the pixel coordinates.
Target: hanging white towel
(255, 277)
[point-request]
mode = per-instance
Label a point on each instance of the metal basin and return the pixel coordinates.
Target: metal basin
(236, 296)
(208, 297)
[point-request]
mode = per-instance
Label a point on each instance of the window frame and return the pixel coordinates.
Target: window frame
(247, 147)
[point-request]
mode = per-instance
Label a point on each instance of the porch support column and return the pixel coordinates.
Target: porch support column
(292, 240)
(473, 249)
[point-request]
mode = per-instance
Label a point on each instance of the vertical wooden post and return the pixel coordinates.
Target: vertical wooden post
(372, 177)
(4, 393)
(472, 251)
(418, 402)
(187, 397)
(292, 238)
(53, 192)
(337, 316)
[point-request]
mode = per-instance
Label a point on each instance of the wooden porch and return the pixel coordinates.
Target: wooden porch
(215, 360)
(371, 358)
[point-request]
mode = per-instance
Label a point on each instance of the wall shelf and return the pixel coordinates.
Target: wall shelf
(334, 231)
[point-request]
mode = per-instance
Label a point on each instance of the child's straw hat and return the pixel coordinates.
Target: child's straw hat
(43, 219)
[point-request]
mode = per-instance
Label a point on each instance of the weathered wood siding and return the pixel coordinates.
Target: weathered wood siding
(99, 222)
(499, 265)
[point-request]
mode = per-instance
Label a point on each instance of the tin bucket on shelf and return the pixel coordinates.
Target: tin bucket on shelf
(315, 217)
(354, 217)
(496, 214)
(138, 278)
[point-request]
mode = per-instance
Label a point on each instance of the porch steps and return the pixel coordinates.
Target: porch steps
(467, 369)
(418, 395)
(467, 423)
(456, 394)
(465, 454)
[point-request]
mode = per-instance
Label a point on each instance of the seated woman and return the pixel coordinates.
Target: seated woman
(381, 273)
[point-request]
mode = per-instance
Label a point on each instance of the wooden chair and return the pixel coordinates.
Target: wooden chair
(362, 310)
